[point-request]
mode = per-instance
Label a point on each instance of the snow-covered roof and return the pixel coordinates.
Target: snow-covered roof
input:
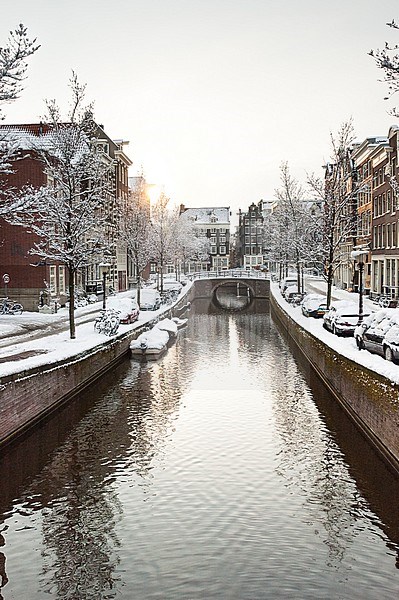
(26, 137)
(209, 214)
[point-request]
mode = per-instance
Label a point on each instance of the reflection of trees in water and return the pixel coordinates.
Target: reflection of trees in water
(118, 439)
(309, 459)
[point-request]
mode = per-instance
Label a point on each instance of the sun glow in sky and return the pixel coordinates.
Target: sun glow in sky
(212, 94)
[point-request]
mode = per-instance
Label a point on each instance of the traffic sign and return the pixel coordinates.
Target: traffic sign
(6, 278)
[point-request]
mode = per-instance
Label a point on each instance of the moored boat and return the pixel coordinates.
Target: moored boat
(150, 344)
(168, 325)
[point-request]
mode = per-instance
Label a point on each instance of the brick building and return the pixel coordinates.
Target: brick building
(29, 276)
(250, 237)
(385, 227)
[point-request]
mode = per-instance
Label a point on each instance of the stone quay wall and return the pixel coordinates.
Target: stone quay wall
(370, 399)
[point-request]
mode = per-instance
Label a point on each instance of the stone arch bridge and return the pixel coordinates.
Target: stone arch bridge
(206, 284)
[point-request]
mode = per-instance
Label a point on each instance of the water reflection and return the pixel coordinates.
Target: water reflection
(220, 471)
(233, 297)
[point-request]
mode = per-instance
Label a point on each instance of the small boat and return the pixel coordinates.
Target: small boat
(168, 325)
(179, 322)
(150, 344)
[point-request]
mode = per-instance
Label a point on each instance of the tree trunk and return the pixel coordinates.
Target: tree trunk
(71, 287)
(330, 274)
(298, 272)
(138, 295)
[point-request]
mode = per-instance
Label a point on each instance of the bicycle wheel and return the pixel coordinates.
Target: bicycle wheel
(17, 309)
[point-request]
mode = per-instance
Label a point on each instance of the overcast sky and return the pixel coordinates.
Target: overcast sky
(212, 94)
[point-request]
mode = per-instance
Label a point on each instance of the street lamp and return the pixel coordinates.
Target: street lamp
(104, 267)
(359, 254)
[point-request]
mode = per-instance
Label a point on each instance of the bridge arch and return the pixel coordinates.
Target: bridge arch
(207, 286)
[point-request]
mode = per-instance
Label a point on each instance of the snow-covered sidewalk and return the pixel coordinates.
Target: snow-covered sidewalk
(345, 346)
(50, 349)
(319, 286)
(33, 340)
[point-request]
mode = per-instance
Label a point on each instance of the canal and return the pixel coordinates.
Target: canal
(222, 471)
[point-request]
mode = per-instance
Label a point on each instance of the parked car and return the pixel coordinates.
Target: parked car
(379, 333)
(314, 305)
(342, 317)
(290, 291)
(150, 299)
(127, 308)
(286, 281)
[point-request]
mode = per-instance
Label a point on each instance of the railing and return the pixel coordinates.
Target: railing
(231, 273)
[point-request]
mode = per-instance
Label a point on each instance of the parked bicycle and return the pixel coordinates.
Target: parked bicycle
(107, 322)
(9, 307)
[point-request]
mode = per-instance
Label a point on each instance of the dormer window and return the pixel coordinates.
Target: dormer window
(103, 147)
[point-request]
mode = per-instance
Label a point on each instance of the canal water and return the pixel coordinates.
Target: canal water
(222, 471)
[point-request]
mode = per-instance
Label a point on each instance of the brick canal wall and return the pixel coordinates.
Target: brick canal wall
(370, 399)
(28, 396)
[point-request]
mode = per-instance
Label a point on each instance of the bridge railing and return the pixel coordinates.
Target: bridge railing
(230, 273)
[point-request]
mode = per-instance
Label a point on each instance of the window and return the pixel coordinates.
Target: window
(212, 240)
(53, 280)
(222, 249)
(213, 249)
(61, 279)
(222, 239)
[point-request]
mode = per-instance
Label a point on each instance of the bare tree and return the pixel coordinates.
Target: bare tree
(293, 226)
(338, 194)
(188, 244)
(13, 66)
(164, 228)
(387, 60)
(69, 214)
(135, 229)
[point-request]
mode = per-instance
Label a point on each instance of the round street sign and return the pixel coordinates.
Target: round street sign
(6, 278)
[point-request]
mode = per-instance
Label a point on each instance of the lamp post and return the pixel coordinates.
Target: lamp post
(105, 270)
(359, 254)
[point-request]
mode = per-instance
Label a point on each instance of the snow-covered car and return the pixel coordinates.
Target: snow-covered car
(314, 305)
(127, 308)
(379, 333)
(342, 317)
(290, 291)
(150, 299)
(286, 281)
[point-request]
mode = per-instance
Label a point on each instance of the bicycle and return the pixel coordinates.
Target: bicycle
(9, 307)
(107, 322)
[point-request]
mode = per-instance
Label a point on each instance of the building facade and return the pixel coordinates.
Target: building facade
(367, 156)
(385, 213)
(214, 224)
(250, 237)
(31, 278)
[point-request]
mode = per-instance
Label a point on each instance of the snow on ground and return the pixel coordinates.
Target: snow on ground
(342, 345)
(24, 347)
(17, 334)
